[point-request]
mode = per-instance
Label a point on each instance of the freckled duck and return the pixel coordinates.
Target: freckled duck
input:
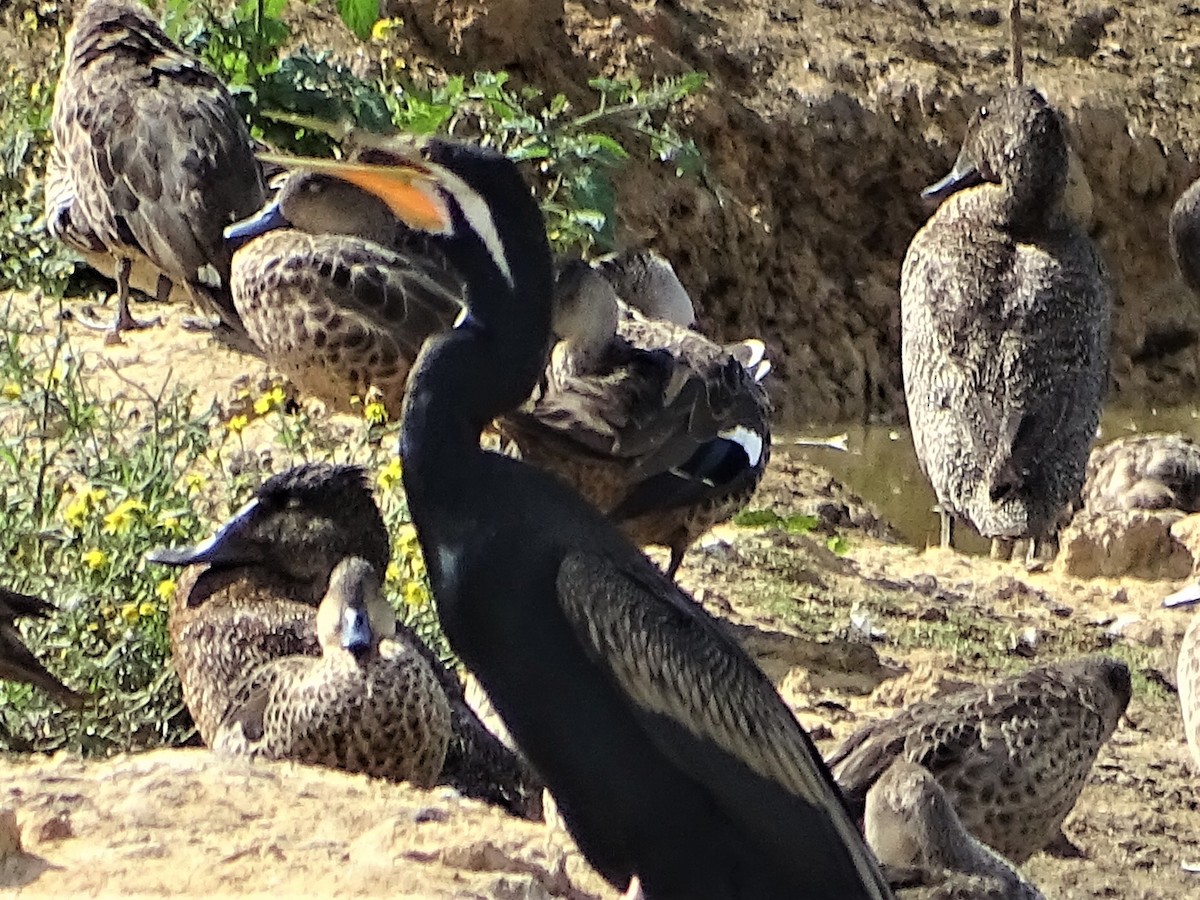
(1144, 471)
(664, 430)
(674, 763)
(328, 283)
(16, 662)
(251, 597)
(919, 840)
(368, 703)
(150, 161)
(1012, 757)
(1005, 307)
(1187, 669)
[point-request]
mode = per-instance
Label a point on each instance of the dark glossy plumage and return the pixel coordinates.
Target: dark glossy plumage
(1144, 471)
(664, 430)
(1012, 757)
(1005, 308)
(670, 755)
(252, 594)
(919, 840)
(151, 160)
(16, 662)
(369, 703)
(327, 284)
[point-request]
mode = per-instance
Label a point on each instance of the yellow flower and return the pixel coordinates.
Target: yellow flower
(392, 573)
(415, 593)
(272, 399)
(170, 523)
(194, 481)
(82, 506)
(390, 474)
(147, 608)
(129, 612)
(375, 413)
(384, 27)
(416, 564)
(119, 520)
(165, 589)
(55, 375)
(406, 538)
(11, 391)
(95, 558)
(237, 424)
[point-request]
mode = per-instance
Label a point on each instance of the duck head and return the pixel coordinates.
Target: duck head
(585, 306)
(1017, 140)
(318, 203)
(646, 280)
(353, 614)
(300, 524)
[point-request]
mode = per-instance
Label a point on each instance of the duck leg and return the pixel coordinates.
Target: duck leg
(677, 553)
(1002, 549)
(947, 518)
(124, 320)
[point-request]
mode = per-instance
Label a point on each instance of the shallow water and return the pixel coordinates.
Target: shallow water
(879, 464)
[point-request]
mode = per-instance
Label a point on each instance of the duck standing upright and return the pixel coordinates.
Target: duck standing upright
(151, 159)
(1005, 308)
(673, 760)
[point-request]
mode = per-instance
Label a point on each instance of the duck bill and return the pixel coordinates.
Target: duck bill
(409, 187)
(269, 218)
(234, 544)
(1188, 596)
(356, 632)
(964, 175)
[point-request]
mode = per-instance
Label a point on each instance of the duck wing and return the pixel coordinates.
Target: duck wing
(711, 712)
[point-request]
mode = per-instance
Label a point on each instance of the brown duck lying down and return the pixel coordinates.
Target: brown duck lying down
(919, 840)
(16, 662)
(251, 598)
(1012, 757)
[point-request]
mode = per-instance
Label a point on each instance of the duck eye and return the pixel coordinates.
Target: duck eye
(983, 112)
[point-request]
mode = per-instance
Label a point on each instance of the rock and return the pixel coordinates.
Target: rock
(1131, 542)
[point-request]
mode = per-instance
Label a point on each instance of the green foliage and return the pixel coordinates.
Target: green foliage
(91, 484)
(29, 257)
(359, 15)
(303, 101)
(797, 523)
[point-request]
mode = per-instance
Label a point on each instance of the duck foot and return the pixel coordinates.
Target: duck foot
(124, 321)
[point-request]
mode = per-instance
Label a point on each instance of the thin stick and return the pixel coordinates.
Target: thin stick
(1017, 34)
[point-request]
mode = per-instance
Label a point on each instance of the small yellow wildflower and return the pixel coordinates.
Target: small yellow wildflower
(121, 518)
(55, 375)
(170, 523)
(165, 589)
(83, 505)
(147, 608)
(129, 612)
(406, 538)
(272, 399)
(392, 573)
(237, 424)
(390, 474)
(375, 413)
(383, 28)
(415, 593)
(416, 564)
(11, 391)
(95, 558)
(194, 481)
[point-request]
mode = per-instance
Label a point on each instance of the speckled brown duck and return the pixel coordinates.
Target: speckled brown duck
(1005, 307)
(1144, 471)
(919, 840)
(664, 430)
(335, 291)
(1187, 669)
(252, 593)
(150, 161)
(1012, 757)
(369, 703)
(16, 662)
